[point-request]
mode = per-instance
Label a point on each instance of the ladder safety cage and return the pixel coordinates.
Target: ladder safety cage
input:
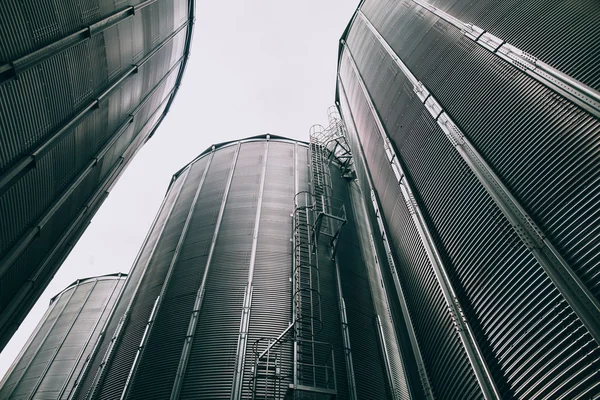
(333, 140)
(296, 365)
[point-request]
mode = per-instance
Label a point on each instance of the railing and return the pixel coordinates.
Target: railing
(333, 140)
(295, 365)
(272, 368)
(273, 372)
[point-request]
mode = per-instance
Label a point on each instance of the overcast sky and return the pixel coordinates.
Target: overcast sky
(260, 66)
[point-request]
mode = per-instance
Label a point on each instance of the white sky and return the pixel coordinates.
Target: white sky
(261, 66)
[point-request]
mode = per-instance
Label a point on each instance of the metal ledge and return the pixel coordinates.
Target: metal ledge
(8, 178)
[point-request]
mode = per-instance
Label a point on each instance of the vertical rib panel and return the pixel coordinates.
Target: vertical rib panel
(20, 365)
(92, 338)
(142, 304)
(131, 287)
(211, 365)
(43, 369)
(66, 89)
(369, 367)
(270, 314)
(54, 339)
(445, 360)
(169, 329)
(538, 143)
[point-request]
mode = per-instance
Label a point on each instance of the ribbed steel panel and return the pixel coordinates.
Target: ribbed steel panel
(194, 271)
(566, 40)
(211, 365)
(360, 306)
(547, 160)
(94, 79)
(142, 305)
(92, 372)
(271, 312)
(446, 362)
(57, 350)
(168, 332)
(389, 293)
(402, 368)
(538, 142)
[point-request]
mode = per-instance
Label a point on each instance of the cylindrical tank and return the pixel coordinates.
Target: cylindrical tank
(83, 85)
(475, 127)
(222, 302)
(53, 358)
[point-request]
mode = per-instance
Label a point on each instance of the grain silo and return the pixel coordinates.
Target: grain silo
(53, 359)
(83, 85)
(253, 283)
(474, 127)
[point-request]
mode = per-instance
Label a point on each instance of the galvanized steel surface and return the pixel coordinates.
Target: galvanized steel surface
(361, 288)
(83, 86)
(536, 335)
(52, 359)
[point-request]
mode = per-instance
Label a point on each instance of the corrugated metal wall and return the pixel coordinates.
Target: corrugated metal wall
(358, 279)
(183, 305)
(407, 366)
(210, 226)
(503, 170)
(83, 85)
(56, 352)
(105, 343)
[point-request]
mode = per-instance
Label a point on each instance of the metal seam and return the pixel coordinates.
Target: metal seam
(558, 270)
(141, 346)
(474, 354)
(15, 68)
(293, 264)
(563, 84)
(27, 344)
(393, 383)
(345, 335)
(385, 239)
(107, 358)
(187, 346)
(167, 279)
(236, 391)
(41, 344)
(386, 356)
(190, 30)
(85, 345)
(8, 178)
(62, 341)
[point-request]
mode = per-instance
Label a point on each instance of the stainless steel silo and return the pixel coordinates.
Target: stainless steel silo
(83, 85)
(52, 360)
(475, 129)
(252, 284)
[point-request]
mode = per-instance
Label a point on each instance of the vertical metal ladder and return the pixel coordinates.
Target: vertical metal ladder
(312, 373)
